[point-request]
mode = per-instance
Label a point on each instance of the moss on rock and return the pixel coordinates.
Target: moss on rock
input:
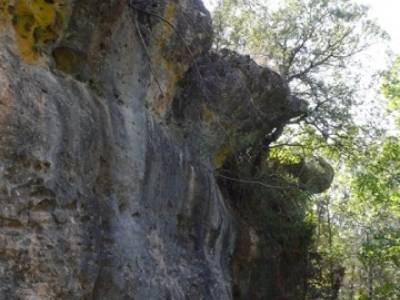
(67, 60)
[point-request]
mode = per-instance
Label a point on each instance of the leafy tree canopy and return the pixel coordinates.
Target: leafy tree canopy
(315, 45)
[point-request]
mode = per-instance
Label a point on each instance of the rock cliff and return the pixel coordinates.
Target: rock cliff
(115, 117)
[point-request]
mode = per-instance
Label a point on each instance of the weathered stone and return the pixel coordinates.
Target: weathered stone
(108, 146)
(229, 103)
(315, 174)
(93, 185)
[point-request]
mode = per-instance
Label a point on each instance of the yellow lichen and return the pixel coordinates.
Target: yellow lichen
(169, 16)
(169, 71)
(44, 12)
(170, 74)
(164, 30)
(37, 23)
(3, 10)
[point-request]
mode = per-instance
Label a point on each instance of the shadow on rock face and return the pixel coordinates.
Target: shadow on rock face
(229, 103)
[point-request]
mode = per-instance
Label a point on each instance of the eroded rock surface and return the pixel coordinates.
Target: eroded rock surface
(113, 118)
(228, 103)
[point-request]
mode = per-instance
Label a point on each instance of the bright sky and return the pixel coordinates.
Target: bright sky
(386, 13)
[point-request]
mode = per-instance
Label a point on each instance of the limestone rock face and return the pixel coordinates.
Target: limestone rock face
(105, 189)
(228, 103)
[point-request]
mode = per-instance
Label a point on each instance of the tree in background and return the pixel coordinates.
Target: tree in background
(375, 205)
(391, 89)
(367, 222)
(315, 45)
(360, 218)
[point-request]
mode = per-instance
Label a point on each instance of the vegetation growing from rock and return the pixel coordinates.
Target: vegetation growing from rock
(138, 162)
(352, 243)
(315, 45)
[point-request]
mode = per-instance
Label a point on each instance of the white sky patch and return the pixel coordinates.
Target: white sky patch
(210, 4)
(386, 13)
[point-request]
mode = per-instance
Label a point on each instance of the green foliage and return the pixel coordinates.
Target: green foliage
(378, 176)
(315, 45)
(367, 213)
(284, 156)
(376, 202)
(354, 245)
(391, 86)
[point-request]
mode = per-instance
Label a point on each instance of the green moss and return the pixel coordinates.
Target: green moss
(67, 59)
(222, 154)
(96, 86)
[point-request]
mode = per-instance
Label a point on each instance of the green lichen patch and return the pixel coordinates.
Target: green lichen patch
(67, 60)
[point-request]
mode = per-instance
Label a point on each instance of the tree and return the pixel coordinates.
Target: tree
(315, 46)
(370, 226)
(391, 88)
(367, 213)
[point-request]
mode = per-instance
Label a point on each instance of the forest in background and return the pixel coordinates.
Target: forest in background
(321, 48)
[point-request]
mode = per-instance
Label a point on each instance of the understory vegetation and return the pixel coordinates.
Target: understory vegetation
(345, 242)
